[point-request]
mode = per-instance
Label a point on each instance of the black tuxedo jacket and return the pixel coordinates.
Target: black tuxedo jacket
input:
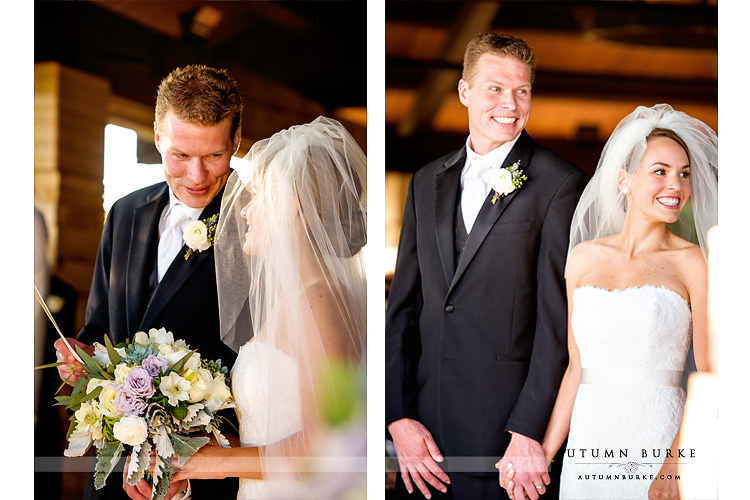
(478, 347)
(123, 301)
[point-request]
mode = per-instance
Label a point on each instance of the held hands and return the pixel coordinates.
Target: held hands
(523, 469)
(418, 456)
(71, 371)
(142, 490)
(663, 488)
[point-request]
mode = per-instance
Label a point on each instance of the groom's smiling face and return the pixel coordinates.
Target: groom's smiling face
(498, 98)
(195, 157)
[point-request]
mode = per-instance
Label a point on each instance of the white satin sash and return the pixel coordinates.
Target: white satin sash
(648, 377)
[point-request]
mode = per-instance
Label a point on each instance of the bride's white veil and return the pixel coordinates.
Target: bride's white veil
(602, 209)
(299, 287)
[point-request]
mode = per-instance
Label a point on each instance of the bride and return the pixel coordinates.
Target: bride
(636, 299)
(292, 303)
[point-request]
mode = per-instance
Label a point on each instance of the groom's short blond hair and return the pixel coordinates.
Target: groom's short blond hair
(200, 95)
(497, 44)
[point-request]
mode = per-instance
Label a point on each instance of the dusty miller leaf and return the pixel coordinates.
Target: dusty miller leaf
(138, 462)
(162, 474)
(185, 446)
(163, 444)
(107, 457)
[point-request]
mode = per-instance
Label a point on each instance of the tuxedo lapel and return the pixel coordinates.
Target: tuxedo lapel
(178, 272)
(447, 182)
(490, 213)
(143, 238)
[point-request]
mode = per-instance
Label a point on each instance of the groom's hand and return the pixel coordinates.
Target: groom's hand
(418, 456)
(142, 490)
(524, 462)
(73, 369)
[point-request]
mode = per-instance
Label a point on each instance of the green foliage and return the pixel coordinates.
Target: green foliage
(108, 425)
(107, 457)
(135, 353)
(139, 459)
(186, 446)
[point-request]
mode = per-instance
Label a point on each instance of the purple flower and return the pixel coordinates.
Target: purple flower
(128, 402)
(140, 383)
(152, 364)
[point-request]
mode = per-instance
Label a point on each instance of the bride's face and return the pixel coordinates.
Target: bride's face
(661, 186)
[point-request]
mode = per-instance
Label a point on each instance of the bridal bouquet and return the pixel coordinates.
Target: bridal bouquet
(153, 394)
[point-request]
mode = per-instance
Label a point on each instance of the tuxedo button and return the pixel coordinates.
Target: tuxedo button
(449, 308)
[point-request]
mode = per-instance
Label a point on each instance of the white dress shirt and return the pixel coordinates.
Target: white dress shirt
(169, 250)
(475, 185)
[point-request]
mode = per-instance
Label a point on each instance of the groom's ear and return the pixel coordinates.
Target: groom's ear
(157, 137)
(237, 139)
(463, 92)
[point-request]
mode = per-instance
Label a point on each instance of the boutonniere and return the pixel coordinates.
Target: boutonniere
(506, 180)
(199, 235)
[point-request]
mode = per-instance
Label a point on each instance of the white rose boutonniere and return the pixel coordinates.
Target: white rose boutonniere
(506, 180)
(199, 235)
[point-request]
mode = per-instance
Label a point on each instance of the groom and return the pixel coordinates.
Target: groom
(476, 338)
(142, 279)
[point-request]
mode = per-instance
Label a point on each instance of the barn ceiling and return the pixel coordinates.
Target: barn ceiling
(597, 62)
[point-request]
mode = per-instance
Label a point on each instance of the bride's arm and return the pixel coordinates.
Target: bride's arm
(559, 424)
(327, 340)
(695, 277)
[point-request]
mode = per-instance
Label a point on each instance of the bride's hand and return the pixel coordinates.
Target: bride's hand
(664, 487)
(142, 490)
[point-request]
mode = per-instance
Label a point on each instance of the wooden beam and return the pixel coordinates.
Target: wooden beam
(475, 17)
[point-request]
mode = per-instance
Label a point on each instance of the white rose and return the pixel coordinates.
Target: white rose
(107, 401)
(201, 381)
(219, 390)
(101, 355)
(160, 336)
(171, 355)
(196, 236)
(94, 383)
(141, 338)
(121, 372)
(131, 430)
(502, 182)
(193, 362)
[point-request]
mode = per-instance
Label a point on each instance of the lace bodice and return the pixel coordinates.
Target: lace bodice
(633, 344)
(252, 388)
(638, 327)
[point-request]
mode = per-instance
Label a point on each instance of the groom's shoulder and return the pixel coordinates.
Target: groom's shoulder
(137, 198)
(553, 162)
(140, 196)
(440, 163)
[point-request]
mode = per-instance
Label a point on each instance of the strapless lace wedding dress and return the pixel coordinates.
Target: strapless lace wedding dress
(261, 401)
(633, 345)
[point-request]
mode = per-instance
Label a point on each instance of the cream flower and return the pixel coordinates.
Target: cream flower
(90, 419)
(160, 336)
(201, 381)
(175, 388)
(121, 372)
(131, 430)
(502, 182)
(172, 355)
(196, 236)
(219, 390)
(107, 401)
(141, 338)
